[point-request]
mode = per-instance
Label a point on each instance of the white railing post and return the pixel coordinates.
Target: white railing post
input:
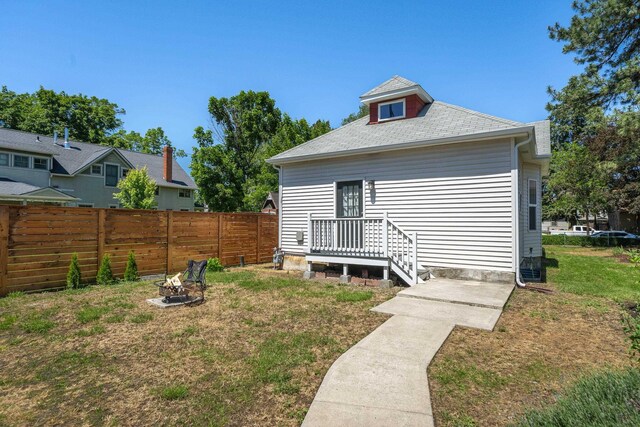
(385, 237)
(414, 255)
(309, 233)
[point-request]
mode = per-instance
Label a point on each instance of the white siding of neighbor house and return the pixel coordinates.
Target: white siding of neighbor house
(457, 197)
(530, 239)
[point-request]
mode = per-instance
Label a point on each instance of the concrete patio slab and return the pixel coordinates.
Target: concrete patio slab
(456, 314)
(482, 294)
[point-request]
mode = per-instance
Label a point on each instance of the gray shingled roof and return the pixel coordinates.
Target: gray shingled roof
(436, 121)
(82, 154)
(9, 186)
(394, 83)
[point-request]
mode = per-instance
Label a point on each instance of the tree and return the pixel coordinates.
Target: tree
(105, 274)
(131, 270)
(578, 183)
(137, 190)
(362, 112)
(229, 155)
(74, 277)
(605, 37)
(152, 142)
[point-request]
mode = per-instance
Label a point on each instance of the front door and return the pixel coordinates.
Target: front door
(349, 204)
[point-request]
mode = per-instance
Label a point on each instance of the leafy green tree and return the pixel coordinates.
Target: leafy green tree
(74, 277)
(578, 183)
(137, 190)
(363, 111)
(105, 274)
(131, 270)
(152, 142)
(228, 156)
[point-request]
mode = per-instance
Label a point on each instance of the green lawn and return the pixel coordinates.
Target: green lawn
(592, 271)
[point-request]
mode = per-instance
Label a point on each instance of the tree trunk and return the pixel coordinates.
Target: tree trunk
(588, 227)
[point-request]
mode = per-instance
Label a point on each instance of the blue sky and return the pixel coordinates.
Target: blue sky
(161, 61)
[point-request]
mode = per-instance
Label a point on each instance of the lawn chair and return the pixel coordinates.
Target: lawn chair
(190, 289)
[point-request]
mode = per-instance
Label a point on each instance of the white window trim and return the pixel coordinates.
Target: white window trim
(530, 205)
(105, 174)
(33, 163)
(96, 174)
(185, 189)
(404, 109)
(13, 161)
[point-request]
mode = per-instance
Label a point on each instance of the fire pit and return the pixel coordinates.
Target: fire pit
(184, 288)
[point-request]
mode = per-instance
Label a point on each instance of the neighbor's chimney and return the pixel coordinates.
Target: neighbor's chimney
(55, 136)
(66, 138)
(37, 139)
(167, 153)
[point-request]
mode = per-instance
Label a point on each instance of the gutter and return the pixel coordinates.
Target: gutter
(511, 132)
(516, 210)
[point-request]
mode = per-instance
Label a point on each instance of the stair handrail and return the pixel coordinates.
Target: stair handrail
(411, 251)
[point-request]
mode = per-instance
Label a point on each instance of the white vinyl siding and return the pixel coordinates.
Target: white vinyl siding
(457, 198)
(530, 238)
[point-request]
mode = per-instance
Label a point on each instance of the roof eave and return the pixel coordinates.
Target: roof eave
(513, 132)
(418, 90)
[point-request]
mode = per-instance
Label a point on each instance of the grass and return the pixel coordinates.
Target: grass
(541, 346)
(578, 271)
(604, 399)
(253, 354)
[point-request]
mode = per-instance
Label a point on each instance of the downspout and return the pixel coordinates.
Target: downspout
(516, 213)
(279, 169)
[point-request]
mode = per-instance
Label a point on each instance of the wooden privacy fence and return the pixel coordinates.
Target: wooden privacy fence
(37, 242)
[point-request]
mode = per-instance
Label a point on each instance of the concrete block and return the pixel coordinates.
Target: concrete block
(345, 279)
(473, 274)
(481, 294)
(309, 275)
(386, 284)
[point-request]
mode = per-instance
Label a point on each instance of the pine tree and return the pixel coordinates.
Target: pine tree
(131, 271)
(74, 278)
(105, 275)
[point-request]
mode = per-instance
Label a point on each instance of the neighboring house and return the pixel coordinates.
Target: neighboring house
(36, 169)
(270, 204)
(417, 184)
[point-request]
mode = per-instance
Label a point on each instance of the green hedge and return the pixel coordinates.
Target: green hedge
(563, 239)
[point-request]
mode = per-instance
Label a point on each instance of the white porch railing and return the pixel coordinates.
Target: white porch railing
(365, 238)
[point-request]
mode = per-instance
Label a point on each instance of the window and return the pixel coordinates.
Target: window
(157, 193)
(4, 159)
(20, 161)
(349, 199)
(111, 175)
(184, 210)
(391, 110)
(40, 163)
(124, 172)
(533, 205)
(113, 206)
(85, 205)
(186, 193)
(96, 169)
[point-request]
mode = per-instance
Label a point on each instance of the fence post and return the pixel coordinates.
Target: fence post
(385, 236)
(258, 259)
(101, 233)
(169, 242)
(220, 219)
(4, 248)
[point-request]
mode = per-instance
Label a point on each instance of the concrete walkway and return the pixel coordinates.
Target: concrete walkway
(382, 380)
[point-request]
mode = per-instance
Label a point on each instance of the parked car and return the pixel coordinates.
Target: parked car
(576, 230)
(613, 235)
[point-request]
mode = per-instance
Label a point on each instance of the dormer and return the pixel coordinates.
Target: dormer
(395, 99)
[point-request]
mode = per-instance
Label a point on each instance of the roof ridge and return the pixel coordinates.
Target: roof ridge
(479, 114)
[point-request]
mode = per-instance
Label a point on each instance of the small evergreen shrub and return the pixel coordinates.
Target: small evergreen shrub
(74, 278)
(105, 275)
(214, 264)
(131, 271)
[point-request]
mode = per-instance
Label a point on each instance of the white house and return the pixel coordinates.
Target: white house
(416, 185)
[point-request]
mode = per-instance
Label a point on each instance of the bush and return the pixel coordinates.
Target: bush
(74, 277)
(605, 399)
(105, 275)
(214, 264)
(131, 271)
(632, 329)
(563, 239)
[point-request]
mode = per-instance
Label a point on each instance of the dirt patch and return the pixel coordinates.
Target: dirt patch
(253, 354)
(542, 343)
